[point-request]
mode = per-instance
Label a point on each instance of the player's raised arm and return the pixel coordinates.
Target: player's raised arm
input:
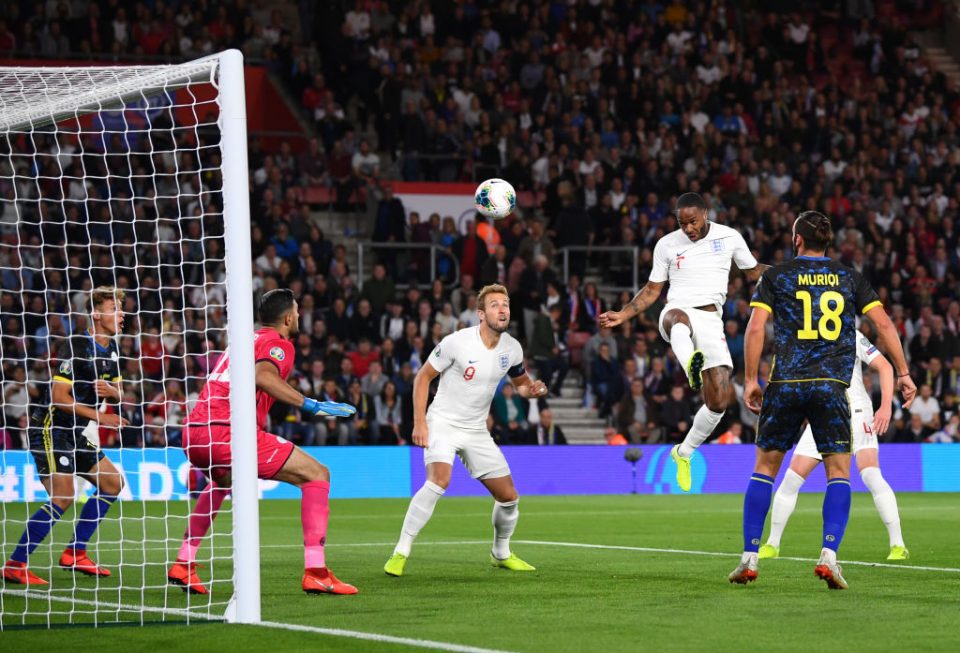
(889, 341)
(643, 299)
(269, 380)
(421, 392)
(754, 273)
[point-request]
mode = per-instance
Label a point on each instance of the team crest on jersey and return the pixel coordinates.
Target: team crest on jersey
(504, 361)
(276, 353)
(65, 367)
(436, 352)
(718, 245)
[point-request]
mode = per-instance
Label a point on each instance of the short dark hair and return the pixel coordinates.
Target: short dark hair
(691, 200)
(275, 304)
(815, 228)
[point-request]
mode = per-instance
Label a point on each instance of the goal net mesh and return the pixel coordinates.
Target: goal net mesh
(111, 176)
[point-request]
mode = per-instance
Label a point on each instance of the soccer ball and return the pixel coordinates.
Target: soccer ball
(495, 199)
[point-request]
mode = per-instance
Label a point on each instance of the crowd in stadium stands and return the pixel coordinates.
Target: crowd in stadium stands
(599, 112)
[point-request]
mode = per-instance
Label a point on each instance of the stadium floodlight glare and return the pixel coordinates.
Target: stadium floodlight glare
(134, 177)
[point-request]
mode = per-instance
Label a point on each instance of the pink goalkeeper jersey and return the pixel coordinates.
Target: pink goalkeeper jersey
(213, 406)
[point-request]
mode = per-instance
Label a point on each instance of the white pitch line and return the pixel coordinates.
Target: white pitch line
(335, 632)
(644, 549)
(578, 545)
(375, 637)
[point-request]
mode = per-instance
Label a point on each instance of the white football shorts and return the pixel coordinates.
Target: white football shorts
(861, 428)
(475, 448)
(706, 327)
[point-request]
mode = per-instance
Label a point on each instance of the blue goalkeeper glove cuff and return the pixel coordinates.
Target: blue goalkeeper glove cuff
(328, 408)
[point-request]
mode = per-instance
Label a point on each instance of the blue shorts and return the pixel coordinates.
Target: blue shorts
(788, 405)
(59, 450)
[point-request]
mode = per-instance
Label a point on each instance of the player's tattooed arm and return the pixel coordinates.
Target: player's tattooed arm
(643, 299)
(754, 273)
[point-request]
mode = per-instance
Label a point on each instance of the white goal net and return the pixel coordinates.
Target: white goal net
(132, 179)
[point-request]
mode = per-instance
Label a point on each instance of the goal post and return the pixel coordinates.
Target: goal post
(243, 408)
(134, 177)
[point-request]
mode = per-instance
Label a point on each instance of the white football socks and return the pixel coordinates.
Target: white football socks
(784, 502)
(703, 424)
(505, 516)
(682, 343)
(885, 501)
(418, 514)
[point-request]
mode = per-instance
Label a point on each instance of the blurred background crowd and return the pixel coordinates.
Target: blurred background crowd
(599, 112)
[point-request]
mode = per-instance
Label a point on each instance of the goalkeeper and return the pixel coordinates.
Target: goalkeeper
(64, 443)
(206, 440)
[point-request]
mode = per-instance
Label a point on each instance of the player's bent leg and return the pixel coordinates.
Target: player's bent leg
(301, 468)
(418, 514)
(506, 513)
(868, 462)
(183, 572)
(679, 332)
(109, 483)
(756, 504)
(60, 488)
(785, 501)
(313, 479)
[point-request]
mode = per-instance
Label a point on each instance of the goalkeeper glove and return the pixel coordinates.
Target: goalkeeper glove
(328, 408)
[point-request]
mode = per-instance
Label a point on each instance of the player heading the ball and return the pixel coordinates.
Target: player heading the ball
(696, 260)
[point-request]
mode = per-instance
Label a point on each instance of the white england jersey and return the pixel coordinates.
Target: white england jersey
(698, 272)
(866, 353)
(470, 374)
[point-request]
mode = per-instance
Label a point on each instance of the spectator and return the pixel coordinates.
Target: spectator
(605, 381)
(447, 320)
(914, 430)
(390, 227)
(614, 438)
(470, 317)
(458, 296)
(330, 430)
(364, 324)
(735, 343)
(471, 251)
(927, 408)
(510, 414)
(533, 290)
(387, 428)
(379, 289)
(549, 433)
(675, 414)
(366, 165)
(633, 418)
(361, 358)
(733, 435)
(548, 350)
(495, 268)
(358, 426)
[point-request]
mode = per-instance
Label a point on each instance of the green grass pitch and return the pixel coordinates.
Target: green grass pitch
(579, 599)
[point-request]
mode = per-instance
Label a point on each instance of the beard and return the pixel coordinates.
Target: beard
(494, 325)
